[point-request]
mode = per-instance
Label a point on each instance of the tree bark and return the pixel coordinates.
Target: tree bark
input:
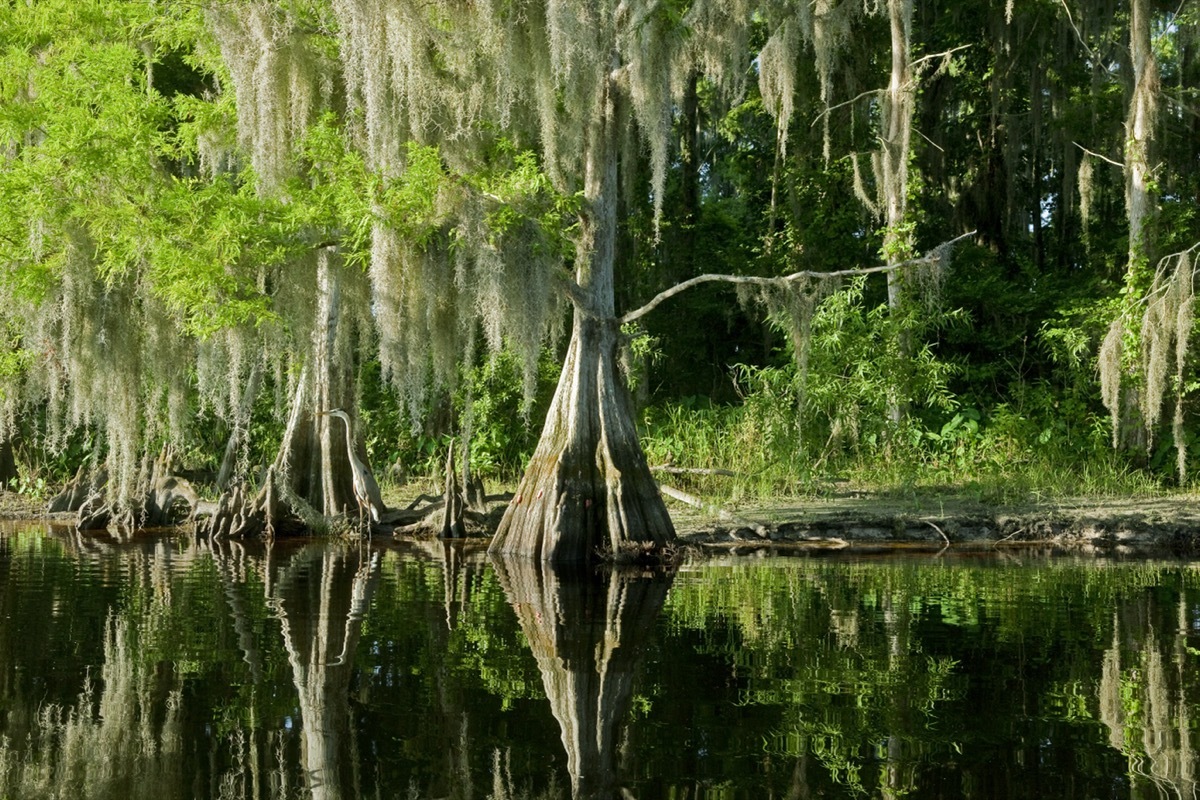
(452, 502)
(1139, 131)
(588, 488)
(1139, 205)
(311, 477)
(239, 432)
(8, 464)
(897, 122)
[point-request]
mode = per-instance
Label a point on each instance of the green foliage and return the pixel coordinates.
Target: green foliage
(504, 424)
(490, 399)
(792, 436)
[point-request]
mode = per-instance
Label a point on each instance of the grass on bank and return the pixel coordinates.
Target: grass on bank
(1001, 459)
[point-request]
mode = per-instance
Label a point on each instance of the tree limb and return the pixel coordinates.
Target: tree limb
(722, 514)
(833, 108)
(1078, 35)
(1101, 157)
(930, 257)
(943, 54)
(870, 92)
(572, 290)
(670, 470)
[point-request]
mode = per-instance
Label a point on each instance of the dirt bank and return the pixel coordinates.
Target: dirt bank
(1166, 523)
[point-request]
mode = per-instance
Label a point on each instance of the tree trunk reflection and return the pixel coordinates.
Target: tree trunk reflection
(587, 632)
(321, 595)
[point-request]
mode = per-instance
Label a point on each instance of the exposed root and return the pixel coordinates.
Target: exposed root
(274, 509)
(167, 499)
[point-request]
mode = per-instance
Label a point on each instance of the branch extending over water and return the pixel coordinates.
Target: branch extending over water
(932, 256)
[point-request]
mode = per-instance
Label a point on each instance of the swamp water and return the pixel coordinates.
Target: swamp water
(166, 668)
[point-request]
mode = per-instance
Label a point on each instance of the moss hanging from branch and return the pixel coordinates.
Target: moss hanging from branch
(280, 84)
(1162, 348)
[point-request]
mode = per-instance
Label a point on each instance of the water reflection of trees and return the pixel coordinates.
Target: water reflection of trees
(587, 632)
(121, 739)
(124, 736)
(1147, 696)
(321, 596)
(954, 681)
(231, 671)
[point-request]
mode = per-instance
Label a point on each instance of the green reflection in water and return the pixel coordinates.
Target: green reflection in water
(165, 668)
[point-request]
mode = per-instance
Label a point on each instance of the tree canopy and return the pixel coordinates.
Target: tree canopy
(207, 207)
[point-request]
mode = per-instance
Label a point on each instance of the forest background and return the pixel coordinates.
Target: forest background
(180, 180)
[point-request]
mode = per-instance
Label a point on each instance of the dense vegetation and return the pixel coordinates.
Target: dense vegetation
(207, 207)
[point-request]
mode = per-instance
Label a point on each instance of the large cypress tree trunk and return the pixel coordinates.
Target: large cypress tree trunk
(588, 488)
(313, 455)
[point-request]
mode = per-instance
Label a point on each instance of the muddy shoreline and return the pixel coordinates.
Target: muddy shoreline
(1168, 523)
(866, 522)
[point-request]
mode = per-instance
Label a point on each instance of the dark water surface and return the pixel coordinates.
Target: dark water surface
(165, 668)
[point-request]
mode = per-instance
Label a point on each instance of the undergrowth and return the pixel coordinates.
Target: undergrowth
(1001, 455)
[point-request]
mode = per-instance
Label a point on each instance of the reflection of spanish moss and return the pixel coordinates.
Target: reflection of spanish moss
(115, 742)
(504, 788)
(1145, 708)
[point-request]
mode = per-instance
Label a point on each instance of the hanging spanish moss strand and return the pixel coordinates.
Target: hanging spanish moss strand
(1110, 364)
(777, 77)
(830, 21)
(792, 306)
(718, 45)
(280, 84)
(108, 362)
(1164, 339)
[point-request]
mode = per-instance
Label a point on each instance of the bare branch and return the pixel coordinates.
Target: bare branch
(1097, 155)
(869, 92)
(854, 99)
(931, 141)
(1078, 35)
(943, 54)
(670, 470)
(753, 280)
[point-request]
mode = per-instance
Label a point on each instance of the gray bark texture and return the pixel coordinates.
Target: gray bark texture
(311, 478)
(588, 488)
(1139, 130)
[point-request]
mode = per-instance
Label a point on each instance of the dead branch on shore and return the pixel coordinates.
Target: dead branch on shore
(722, 514)
(670, 470)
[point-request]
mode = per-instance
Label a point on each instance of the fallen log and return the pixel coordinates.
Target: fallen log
(672, 470)
(721, 513)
